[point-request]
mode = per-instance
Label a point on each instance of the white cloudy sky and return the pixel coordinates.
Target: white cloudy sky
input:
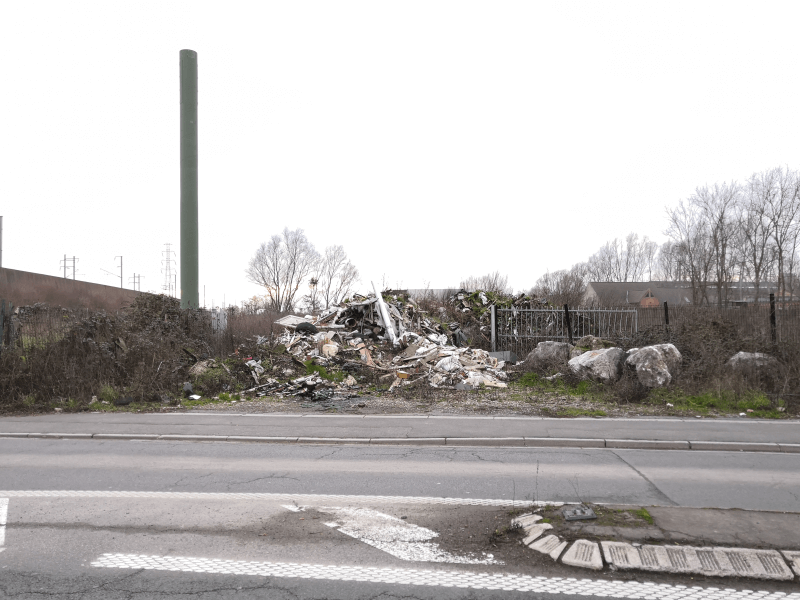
(434, 139)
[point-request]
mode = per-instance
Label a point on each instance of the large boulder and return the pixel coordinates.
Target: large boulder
(599, 365)
(589, 342)
(756, 364)
(549, 352)
(655, 366)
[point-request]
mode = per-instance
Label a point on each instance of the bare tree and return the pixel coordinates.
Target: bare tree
(629, 260)
(336, 276)
(717, 207)
(281, 265)
(492, 282)
(781, 196)
(566, 286)
(689, 231)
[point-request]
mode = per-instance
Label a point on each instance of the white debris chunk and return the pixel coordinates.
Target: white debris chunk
(526, 520)
(535, 531)
(551, 545)
(584, 553)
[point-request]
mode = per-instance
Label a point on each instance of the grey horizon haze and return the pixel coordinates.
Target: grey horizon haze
(433, 140)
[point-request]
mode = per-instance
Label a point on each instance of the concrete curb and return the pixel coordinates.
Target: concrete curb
(510, 442)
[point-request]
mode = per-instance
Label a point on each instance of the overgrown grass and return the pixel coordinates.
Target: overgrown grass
(752, 403)
(534, 380)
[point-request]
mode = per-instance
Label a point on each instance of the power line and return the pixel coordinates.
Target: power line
(169, 270)
(64, 264)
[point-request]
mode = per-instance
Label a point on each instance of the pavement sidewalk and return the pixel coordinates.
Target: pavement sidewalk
(645, 433)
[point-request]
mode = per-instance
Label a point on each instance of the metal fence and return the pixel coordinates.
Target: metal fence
(519, 330)
(765, 324)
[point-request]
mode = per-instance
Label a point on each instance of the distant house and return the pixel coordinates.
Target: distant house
(675, 293)
(641, 293)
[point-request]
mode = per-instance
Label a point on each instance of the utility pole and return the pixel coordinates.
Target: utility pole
(74, 261)
(167, 269)
(190, 270)
(120, 269)
(137, 280)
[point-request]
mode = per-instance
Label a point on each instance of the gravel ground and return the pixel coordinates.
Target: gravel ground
(511, 401)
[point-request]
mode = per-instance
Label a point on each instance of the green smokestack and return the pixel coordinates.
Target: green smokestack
(190, 269)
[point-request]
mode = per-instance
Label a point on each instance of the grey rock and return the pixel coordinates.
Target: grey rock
(655, 366)
(599, 365)
(553, 352)
(752, 361)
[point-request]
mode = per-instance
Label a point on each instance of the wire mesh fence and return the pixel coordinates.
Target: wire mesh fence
(764, 324)
(520, 330)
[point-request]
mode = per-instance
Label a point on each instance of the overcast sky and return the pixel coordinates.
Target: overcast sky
(433, 140)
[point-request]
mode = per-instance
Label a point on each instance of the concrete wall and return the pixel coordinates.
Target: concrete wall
(23, 288)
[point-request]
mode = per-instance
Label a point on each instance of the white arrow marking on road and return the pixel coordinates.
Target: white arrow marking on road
(3, 519)
(394, 536)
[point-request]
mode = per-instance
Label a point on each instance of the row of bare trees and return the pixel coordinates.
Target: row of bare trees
(288, 264)
(735, 232)
(720, 237)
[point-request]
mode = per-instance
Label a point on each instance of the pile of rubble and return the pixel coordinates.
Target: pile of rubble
(392, 336)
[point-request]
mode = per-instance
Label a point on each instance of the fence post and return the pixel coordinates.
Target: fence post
(569, 325)
(772, 324)
(494, 327)
(666, 316)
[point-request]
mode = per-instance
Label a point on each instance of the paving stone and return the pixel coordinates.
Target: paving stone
(534, 531)
(793, 556)
(558, 550)
(551, 545)
(717, 562)
(584, 553)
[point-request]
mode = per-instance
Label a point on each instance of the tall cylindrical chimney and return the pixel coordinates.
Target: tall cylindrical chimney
(190, 270)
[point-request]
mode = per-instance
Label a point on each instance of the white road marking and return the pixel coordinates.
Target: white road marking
(3, 520)
(298, 498)
(429, 578)
(394, 536)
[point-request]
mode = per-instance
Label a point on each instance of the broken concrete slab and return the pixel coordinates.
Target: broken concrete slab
(715, 562)
(526, 520)
(534, 532)
(584, 553)
(793, 556)
(551, 545)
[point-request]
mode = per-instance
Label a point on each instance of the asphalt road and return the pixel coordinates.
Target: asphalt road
(417, 426)
(162, 543)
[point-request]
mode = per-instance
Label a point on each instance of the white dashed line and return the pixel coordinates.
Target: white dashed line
(299, 498)
(429, 578)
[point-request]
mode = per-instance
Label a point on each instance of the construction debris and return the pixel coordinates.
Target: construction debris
(387, 334)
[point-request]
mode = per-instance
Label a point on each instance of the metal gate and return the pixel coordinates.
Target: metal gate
(520, 330)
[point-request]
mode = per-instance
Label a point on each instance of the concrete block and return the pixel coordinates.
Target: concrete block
(793, 556)
(124, 436)
(533, 532)
(531, 442)
(793, 448)
(409, 441)
(551, 545)
(515, 442)
(261, 440)
(327, 440)
(505, 355)
(648, 444)
(715, 562)
(584, 553)
(736, 446)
